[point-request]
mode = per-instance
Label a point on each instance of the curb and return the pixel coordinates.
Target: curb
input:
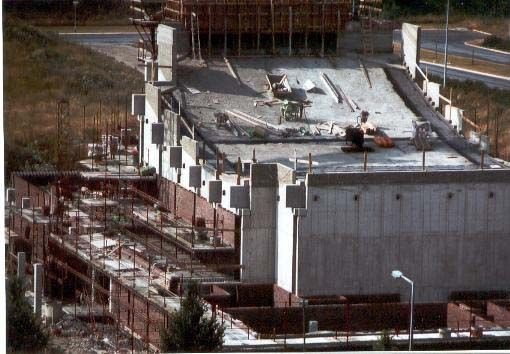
(94, 33)
(467, 70)
(463, 29)
(486, 48)
(482, 32)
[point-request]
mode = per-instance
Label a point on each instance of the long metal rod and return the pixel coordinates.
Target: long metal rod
(446, 43)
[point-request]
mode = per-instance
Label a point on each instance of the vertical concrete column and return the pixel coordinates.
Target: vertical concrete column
(38, 278)
(110, 296)
(21, 266)
(93, 287)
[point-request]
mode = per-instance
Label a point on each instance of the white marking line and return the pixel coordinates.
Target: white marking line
(95, 33)
(482, 32)
(467, 70)
(486, 48)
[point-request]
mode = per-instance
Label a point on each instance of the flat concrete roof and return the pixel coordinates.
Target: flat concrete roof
(212, 88)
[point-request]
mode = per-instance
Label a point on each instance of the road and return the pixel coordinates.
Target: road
(119, 38)
(461, 75)
(456, 44)
(121, 46)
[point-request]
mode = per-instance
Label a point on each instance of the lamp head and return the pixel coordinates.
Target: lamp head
(396, 274)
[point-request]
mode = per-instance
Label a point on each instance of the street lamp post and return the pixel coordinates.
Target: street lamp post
(446, 43)
(398, 274)
(75, 3)
(304, 303)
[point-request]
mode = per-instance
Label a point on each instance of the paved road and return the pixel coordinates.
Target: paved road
(456, 46)
(493, 82)
(117, 39)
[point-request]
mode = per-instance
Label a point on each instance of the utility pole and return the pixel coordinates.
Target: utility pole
(75, 3)
(446, 43)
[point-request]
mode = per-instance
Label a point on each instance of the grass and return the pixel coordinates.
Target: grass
(467, 63)
(40, 70)
(488, 108)
(61, 13)
(496, 43)
(495, 25)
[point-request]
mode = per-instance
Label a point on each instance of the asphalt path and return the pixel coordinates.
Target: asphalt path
(432, 39)
(117, 39)
(429, 39)
(462, 75)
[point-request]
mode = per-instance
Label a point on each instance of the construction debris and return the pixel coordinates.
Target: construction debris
(421, 135)
(253, 121)
(291, 111)
(332, 89)
(279, 85)
(330, 128)
(365, 72)
(309, 86)
(232, 71)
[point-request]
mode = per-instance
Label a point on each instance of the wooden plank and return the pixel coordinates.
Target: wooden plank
(232, 71)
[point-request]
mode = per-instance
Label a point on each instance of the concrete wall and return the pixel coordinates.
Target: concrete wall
(448, 231)
(351, 42)
(258, 226)
(151, 152)
(411, 40)
(166, 54)
(285, 234)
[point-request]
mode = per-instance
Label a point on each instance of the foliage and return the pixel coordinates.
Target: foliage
(397, 8)
(384, 342)
(41, 69)
(24, 331)
(190, 330)
(51, 12)
(497, 43)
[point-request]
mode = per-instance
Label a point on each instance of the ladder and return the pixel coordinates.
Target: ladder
(368, 9)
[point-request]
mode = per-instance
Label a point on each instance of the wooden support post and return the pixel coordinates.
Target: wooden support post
(451, 102)
(498, 114)
(338, 31)
(239, 23)
(365, 160)
(217, 164)
(290, 31)
(423, 160)
(310, 163)
(254, 160)
(307, 16)
(322, 29)
(488, 115)
(225, 32)
(482, 158)
(209, 38)
(258, 28)
(272, 27)
(238, 168)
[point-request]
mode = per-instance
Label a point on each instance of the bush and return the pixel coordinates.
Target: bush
(384, 342)
(497, 43)
(24, 331)
(190, 330)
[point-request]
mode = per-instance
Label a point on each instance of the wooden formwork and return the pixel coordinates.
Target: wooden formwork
(262, 16)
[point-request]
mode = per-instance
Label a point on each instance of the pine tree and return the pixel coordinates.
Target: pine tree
(190, 330)
(24, 331)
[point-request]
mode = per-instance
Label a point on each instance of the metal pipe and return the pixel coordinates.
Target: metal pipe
(446, 43)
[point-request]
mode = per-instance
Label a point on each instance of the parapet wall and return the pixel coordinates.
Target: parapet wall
(448, 231)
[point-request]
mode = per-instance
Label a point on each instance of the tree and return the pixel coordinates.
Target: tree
(384, 342)
(24, 331)
(190, 330)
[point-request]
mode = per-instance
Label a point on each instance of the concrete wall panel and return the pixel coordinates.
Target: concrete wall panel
(411, 38)
(448, 233)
